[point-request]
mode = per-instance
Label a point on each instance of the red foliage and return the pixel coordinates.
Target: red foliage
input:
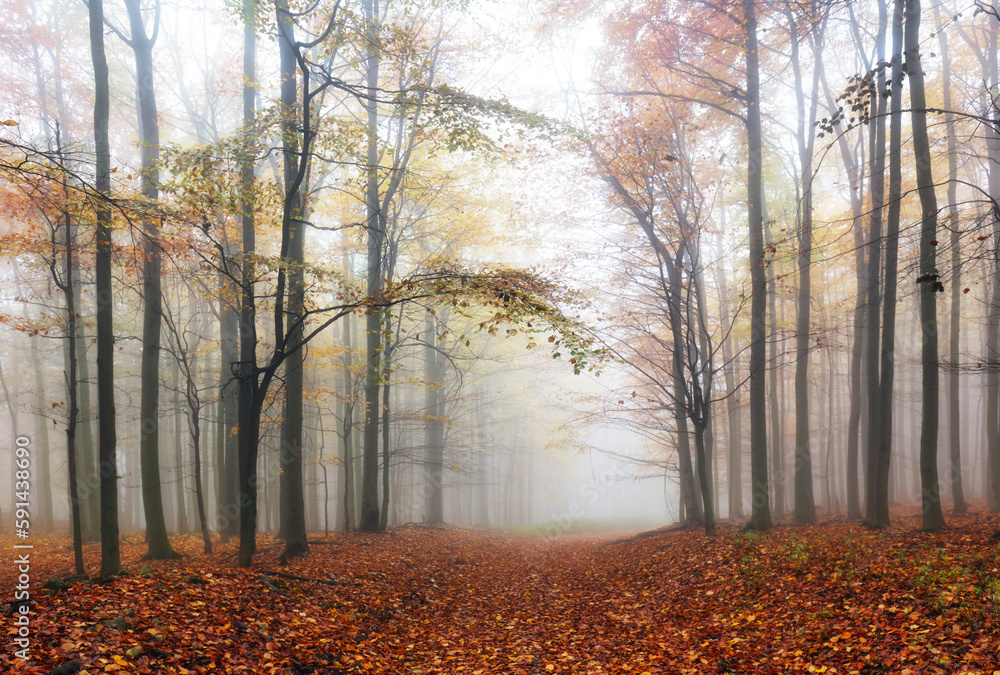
(832, 598)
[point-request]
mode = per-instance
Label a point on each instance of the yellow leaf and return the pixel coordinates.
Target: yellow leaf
(9, 123)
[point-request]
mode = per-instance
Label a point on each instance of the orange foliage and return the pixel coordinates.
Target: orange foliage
(832, 598)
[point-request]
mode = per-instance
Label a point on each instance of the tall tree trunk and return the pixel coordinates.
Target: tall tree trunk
(87, 476)
(858, 337)
(194, 408)
(876, 158)
(434, 424)
(760, 517)
(107, 440)
(250, 402)
(828, 461)
(290, 455)
(735, 436)
(183, 527)
(805, 504)
(693, 513)
(881, 371)
(219, 454)
(85, 457)
(375, 219)
(199, 491)
(386, 390)
(389, 341)
(73, 410)
(954, 332)
(775, 397)
(348, 498)
(157, 543)
(691, 485)
(933, 516)
(883, 454)
(993, 318)
(704, 476)
(854, 427)
(226, 452)
(321, 467)
(702, 377)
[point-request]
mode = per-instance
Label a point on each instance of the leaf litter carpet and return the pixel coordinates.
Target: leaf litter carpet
(834, 598)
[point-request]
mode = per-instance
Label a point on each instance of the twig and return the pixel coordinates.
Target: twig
(328, 582)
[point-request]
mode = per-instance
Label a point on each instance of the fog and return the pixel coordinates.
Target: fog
(424, 263)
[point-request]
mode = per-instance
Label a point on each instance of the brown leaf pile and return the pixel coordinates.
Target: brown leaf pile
(835, 598)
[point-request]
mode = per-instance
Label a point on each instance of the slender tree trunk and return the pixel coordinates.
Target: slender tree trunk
(859, 334)
(857, 351)
(227, 450)
(386, 388)
(107, 440)
(321, 462)
(158, 545)
(704, 477)
(704, 384)
(73, 410)
(775, 397)
(250, 402)
(183, 526)
(933, 516)
(291, 475)
(375, 224)
(735, 435)
(876, 158)
(993, 318)
(83, 445)
(805, 504)
(954, 333)
(219, 455)
(348, 496)
(760, 518)
(831, 420)
(88, 480)
(690, 483)
(702, 379)
(206, 537)
(194, 425)
(880, 461)
(434, 425)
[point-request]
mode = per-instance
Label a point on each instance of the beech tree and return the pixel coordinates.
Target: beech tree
(107, 439)
(933, 517)
(142, 44)
(658, 187)
(676, 68)
(954, 328)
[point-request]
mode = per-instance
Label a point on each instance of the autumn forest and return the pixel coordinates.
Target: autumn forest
(522, 336)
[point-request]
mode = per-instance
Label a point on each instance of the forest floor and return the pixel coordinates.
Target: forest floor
(833, 598)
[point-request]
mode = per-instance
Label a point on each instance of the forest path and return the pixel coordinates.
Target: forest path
(448, 600)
